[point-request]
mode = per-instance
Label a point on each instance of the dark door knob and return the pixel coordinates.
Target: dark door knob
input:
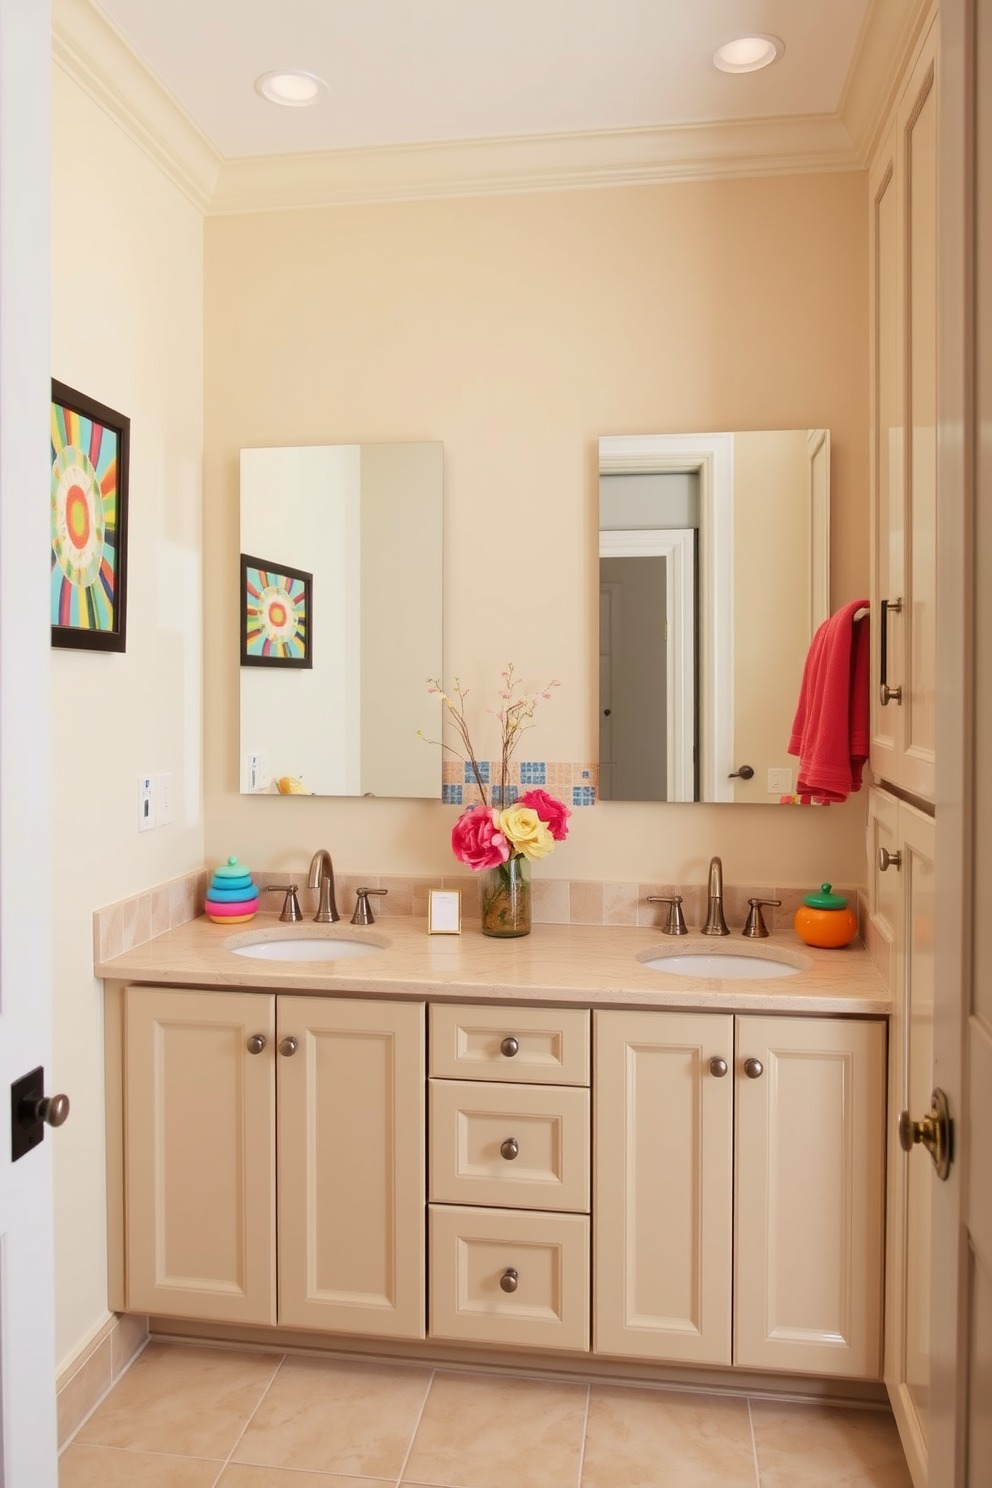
(745, 772)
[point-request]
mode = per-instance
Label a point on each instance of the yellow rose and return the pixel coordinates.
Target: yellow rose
(526, 832)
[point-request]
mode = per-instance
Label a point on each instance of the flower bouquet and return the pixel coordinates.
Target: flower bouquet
(501, 838)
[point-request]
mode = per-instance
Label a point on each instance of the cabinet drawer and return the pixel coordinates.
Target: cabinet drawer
(523, 1146)
(544, 1256)
(546, 1046)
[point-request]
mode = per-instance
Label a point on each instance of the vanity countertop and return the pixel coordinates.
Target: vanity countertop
(587, 965)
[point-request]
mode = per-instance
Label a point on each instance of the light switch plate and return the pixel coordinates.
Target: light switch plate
(146, 803)
(780, 782)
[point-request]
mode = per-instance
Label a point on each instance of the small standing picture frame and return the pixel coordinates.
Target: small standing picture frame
(444, 913)
(90, 446)
(276, 614)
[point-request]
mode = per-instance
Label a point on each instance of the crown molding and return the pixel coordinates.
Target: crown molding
(563, 162)
(90, 49)
(889, 35)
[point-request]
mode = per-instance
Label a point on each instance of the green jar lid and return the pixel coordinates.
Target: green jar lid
(825, 900)
(234, 869)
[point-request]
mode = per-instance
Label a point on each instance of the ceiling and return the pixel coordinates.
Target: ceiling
(404, 72)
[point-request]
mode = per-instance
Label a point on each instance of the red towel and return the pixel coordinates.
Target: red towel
(830, 733)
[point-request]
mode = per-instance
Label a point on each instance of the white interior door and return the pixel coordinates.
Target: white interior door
(960, 1441)
(27, 1348)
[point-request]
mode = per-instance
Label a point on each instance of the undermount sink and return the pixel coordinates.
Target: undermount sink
(306, 948)
(721, 964)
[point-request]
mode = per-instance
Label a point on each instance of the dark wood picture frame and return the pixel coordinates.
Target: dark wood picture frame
(292, 644)
(90, 454)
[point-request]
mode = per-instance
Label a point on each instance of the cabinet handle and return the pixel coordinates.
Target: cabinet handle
(288, 1046)
(754, 1069)
(509, 1047)
(888, 860)
(508, 1281)
(718, 1067)
(886, 693)
(509, 1149)
(257, 1043)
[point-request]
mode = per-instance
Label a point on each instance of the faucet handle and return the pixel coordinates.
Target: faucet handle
(363, 914)
(755, 928)
(291, 905)
(675, 923)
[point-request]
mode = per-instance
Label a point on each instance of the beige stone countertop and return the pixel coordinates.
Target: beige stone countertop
(592, 965)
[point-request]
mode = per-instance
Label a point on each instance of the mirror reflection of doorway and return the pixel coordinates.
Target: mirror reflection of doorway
(647, 723)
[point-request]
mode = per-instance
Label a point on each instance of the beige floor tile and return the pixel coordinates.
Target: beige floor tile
(332, 1417)
(182, 1399)
(659, 1439)
(824, 1447)
(237, 1475)
(480, 1431)
(108, 1467)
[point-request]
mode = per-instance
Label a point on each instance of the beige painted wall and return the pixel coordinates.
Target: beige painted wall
(127, 329)
(518, 330)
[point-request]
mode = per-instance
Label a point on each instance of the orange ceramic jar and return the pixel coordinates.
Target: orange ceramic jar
(824, 919)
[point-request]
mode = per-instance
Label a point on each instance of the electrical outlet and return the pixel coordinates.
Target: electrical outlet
(164, 812)
(780, 782)
(146, 803)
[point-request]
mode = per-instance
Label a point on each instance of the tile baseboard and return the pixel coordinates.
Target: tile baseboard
(96, 1368)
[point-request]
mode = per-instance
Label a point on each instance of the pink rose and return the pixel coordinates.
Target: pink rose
(553, 813)
(477, 841)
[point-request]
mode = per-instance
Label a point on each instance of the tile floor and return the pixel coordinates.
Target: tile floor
(199, 1417)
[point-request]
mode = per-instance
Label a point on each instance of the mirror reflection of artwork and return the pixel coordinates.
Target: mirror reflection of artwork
(275, 614)
(714, 575)
(365, 521)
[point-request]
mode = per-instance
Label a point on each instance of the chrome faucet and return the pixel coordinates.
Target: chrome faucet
(715, 923)
(321, 876)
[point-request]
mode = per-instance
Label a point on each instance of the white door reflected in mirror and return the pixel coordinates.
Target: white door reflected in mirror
(363, 521)
(714, 575)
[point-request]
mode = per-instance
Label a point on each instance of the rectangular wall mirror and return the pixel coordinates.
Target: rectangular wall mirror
(364, 521)
(714, 574)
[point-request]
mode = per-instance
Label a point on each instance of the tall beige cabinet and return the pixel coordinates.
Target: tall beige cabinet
(903, 205)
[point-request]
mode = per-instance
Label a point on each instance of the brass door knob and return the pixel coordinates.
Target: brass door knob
(257, 1043)
(288, 1046)
(53, 1110)
(934, 1132)
(508, 1281)
(509, 1047)
(718, 1067)
(754, 1069)
(509, 1149)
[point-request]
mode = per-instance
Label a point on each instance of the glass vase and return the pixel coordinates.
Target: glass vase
(506, 898)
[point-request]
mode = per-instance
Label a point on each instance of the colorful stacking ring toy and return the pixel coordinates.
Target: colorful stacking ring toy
(232, 898)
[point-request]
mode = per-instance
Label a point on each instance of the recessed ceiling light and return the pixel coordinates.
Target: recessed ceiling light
(748, 53)
(291, 89)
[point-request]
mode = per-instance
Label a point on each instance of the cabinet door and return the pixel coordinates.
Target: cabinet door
(911, 1175)
(200, 1154)
(809, 1191)
(351, 1165)
(662, 1209)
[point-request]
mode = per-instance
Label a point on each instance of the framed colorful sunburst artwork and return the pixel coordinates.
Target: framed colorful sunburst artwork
(276, 614)
(89, 522)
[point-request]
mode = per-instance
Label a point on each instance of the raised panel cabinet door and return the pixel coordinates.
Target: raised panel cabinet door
(809, 1188)
(351, 1165)
(911, 1175)
(662, 1187)
(200, 1154)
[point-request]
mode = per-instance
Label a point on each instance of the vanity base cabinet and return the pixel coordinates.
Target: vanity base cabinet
(200, 1153)
(763, 1250)
(209, 1079)
(662, 1214)
(809, 1195)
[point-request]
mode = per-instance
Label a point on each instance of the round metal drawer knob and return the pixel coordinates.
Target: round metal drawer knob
(508, 1281)
(753, 1068)
(53, 1110)
(718, 1067)
(509, 1047)
(257, 1043)
(509, 1149)
(288, 1046)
